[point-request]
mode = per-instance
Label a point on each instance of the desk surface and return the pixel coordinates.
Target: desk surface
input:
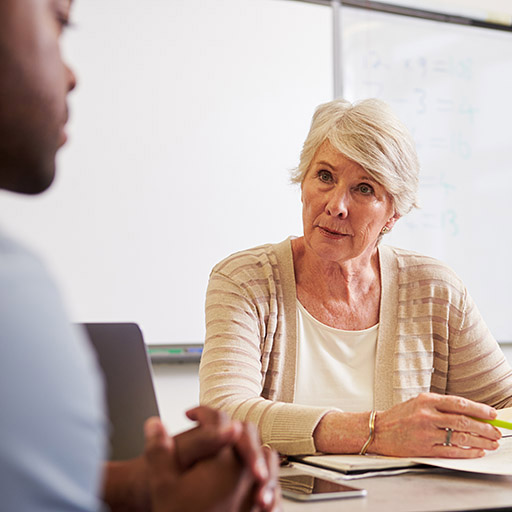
(439, 490)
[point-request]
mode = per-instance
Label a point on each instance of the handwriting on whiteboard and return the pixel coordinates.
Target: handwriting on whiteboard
(432, 95)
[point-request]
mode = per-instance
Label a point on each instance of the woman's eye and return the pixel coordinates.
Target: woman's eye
(365, 189)
(324, 176)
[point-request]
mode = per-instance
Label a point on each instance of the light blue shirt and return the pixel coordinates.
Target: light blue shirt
(52, 423)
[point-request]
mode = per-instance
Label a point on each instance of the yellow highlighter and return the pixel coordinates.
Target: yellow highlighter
(497, 423)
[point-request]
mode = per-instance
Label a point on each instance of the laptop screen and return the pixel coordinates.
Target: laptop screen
(123, 357)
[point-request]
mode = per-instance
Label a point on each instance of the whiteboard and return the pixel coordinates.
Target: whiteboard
(451, 85)
(186, 121)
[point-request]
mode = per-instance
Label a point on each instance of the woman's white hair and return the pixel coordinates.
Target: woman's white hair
(370, 134)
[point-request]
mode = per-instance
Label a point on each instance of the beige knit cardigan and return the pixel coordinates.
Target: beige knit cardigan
(431, 338)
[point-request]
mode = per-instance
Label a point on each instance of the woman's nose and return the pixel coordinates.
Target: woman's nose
(337, 204)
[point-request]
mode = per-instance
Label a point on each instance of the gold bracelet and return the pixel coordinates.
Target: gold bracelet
(371, 424)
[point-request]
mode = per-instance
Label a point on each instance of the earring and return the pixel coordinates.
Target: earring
(384, 230)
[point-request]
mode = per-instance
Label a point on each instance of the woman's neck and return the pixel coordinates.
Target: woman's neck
(335, 279)
(343, 294)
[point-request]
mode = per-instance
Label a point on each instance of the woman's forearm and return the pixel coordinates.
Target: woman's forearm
(342, 432)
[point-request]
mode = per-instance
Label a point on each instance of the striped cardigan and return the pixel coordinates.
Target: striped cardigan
(431, 338)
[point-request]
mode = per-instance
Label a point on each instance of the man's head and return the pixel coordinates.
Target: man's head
(34, 83)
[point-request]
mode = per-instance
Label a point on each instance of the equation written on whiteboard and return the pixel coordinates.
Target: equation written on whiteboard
(445, 221)
(432, 95)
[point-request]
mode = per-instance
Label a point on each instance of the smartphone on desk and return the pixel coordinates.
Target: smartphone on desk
(305, 487)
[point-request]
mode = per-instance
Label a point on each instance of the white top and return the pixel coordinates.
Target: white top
(335, 367)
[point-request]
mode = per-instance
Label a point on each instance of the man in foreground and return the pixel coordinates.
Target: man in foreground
(52, 425)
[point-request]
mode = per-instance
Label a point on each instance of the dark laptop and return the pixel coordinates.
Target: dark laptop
(131, 398)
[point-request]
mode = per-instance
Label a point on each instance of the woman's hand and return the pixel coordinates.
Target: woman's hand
(418, 428)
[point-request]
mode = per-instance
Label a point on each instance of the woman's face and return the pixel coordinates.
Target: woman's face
(343, 208)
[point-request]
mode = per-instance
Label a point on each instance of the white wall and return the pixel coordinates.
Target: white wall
(185, 123)
(177, 389)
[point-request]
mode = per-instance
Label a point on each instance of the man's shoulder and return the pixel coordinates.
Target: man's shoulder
(10, 246)
(17, 260)
(52, 406)
(35, 321)
(26, 285)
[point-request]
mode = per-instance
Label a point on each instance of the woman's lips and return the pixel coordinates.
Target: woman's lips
(331, 233)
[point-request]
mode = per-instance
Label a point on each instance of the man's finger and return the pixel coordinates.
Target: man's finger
(269, 496)
(250, 451)
(203, 442)
(160, 449)
(208, 416)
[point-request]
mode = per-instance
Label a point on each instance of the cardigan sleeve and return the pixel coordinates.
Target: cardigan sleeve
(478, 369)
(242, 364)
(442, 343)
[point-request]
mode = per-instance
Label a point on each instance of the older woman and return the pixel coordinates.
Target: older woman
(331, 342)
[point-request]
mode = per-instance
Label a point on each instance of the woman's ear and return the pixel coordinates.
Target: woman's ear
(391, 222)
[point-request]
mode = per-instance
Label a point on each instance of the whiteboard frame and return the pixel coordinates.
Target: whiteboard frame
(414, 13)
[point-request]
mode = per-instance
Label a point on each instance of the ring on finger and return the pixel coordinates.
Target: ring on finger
(447, 441)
